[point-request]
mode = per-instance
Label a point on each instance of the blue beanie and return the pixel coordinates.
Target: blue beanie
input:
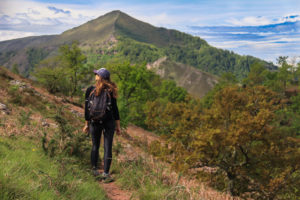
(104, 73)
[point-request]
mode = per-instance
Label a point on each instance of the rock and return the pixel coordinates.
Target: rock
(37, 93)
(4, 109)
(45, 124)
(53, 125)
(18, 83)
(3, 106)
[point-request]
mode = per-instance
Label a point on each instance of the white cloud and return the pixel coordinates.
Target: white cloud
(262, 20)
(8, 35)
(249, 21)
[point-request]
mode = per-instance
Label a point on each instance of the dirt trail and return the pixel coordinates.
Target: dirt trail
(196, 189)
(114, 192)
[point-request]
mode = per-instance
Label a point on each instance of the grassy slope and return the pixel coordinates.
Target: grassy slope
(27, 173)
(93, 32)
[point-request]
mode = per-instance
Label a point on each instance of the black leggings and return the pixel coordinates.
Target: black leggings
(96, 129)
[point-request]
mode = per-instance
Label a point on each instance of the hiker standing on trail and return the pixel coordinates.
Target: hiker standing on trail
(102, 115)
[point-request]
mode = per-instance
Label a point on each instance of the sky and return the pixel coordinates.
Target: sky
(262, 28)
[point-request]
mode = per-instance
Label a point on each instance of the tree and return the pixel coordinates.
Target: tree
(135, 88)
(256, 75)
(169, 91)
(228, 78)
(239, 136)
(53, 76)
(284, 74)
(282, 60)
(133, 81)
(74, 60)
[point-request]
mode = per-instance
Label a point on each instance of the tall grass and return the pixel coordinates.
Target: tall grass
(27, 173)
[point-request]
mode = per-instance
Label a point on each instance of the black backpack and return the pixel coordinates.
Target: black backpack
(99, 106)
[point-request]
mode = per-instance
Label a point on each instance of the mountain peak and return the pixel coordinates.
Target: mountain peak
(114, 13)
(118, 23)
(94, 31)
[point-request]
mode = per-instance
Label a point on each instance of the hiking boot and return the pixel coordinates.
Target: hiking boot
(95, 171)
(106, 178)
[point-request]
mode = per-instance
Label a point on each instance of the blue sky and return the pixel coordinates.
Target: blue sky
(262, 28)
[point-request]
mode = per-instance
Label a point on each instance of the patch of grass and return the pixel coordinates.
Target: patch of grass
(147, 181)
(24, 117)
(15, 96)
(117, 148)
(3, 74)
(27, 173)
(28, 98)
(2, 122)
(3, 83)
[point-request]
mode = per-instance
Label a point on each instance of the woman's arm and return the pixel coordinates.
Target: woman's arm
(118, 127)
(115, 108)
(86, 112)
(116, 115)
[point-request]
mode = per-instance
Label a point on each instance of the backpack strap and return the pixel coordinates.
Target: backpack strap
(92, 92)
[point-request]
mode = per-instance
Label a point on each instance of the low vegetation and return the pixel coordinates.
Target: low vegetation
(147, 181)
(27, 173)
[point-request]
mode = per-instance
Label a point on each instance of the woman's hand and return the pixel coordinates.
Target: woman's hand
(85, 129)
(118, 127)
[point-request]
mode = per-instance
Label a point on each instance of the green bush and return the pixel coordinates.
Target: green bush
(66, 141)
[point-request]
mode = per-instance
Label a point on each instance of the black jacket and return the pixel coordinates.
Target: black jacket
(115, 111)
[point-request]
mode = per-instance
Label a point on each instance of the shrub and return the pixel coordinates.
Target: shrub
(66, 140)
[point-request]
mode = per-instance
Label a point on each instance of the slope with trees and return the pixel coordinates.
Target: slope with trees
(247, 135)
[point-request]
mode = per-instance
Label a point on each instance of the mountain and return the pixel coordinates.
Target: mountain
(128, 38)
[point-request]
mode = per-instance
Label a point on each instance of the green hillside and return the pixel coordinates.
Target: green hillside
(196, 82)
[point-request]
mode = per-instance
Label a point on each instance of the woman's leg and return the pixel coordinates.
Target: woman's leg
(95, 132)
(109, 130)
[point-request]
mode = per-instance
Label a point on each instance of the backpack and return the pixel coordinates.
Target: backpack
(99, 106)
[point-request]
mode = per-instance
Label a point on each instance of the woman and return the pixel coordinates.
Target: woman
(108, 126)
